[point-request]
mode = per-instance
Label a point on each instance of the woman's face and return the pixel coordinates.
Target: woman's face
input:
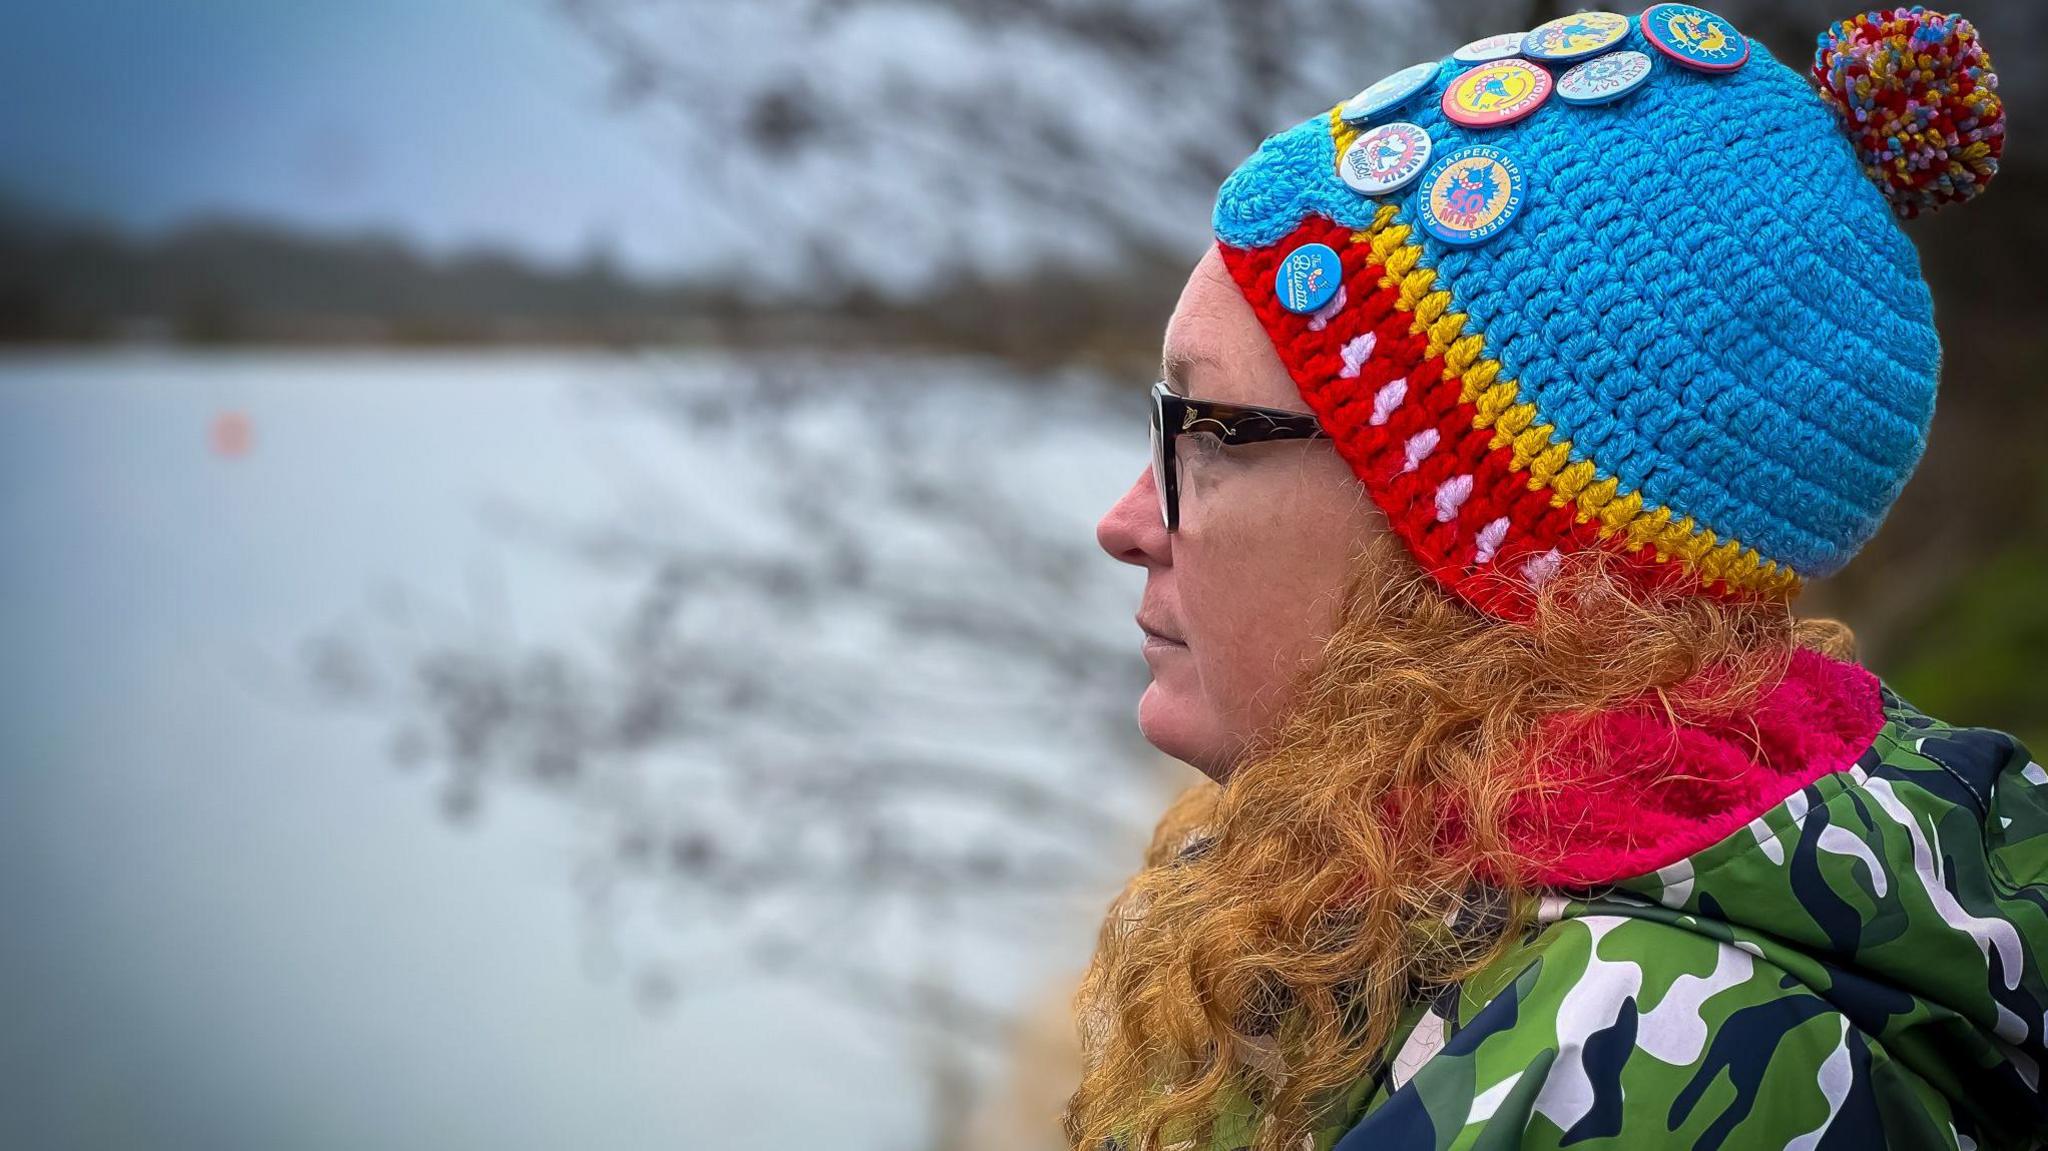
(1242, 596)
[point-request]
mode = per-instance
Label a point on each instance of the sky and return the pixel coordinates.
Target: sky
(453, 122)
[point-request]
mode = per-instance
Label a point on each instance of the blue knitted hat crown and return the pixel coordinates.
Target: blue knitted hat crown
(1703, 337)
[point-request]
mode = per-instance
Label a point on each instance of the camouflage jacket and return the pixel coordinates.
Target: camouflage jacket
(1865, 965)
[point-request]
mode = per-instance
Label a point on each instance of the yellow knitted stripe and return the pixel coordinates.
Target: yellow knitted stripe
(1535, 445)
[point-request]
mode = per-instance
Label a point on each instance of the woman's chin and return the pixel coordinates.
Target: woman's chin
(1178, 727)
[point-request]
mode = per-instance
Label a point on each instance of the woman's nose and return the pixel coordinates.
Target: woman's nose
(1132, 530)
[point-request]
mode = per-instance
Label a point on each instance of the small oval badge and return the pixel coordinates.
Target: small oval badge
(1469, 195)
(1387, 93)
(1604, 79)
(1575, 37)
(1307, 278)
(1504, 46)
(1695, 37)
(1498, 93)
(1385, 159)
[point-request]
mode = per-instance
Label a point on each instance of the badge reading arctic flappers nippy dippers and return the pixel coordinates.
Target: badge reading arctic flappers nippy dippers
(1385, 158)
(1604, 79)
(1307, 278)
(1575, 37)
(1498, 93)
(1695, 37)
(1387, 93)
(1469, 195)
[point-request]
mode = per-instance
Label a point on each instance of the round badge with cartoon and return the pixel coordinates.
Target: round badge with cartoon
(1308, 278)
(1575, 37)
(1385, 159)
(1604, 79)
(1498, 93)
(1469, 195)
(1387, 93)
(1695, 37)
(1504, 46)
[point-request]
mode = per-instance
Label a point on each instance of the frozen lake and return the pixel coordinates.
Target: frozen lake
(232, 922)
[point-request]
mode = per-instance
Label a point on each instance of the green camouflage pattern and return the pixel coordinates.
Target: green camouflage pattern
(1861, 967)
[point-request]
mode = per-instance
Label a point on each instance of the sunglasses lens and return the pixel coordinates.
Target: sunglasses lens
(1159, 467)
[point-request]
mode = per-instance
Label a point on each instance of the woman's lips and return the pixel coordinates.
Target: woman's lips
(1157, 638)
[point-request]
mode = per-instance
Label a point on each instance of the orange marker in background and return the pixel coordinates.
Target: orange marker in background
(231, 435)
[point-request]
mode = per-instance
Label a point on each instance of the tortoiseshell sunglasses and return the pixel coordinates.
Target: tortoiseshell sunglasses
(1233, 424)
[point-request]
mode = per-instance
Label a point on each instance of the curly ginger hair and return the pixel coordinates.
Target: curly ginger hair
(1284, 919)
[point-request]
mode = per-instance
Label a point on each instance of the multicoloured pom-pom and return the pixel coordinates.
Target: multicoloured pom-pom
(1917, 94)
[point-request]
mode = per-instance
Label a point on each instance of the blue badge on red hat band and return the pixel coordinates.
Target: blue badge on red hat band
(1308, 278)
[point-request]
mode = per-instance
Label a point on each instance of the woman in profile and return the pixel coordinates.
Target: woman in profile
(1538, 818)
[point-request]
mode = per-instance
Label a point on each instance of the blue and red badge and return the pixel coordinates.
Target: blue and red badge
(1471, 194)
(1695, 37)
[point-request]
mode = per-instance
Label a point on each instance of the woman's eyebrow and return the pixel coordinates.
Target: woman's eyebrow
(1177, 364)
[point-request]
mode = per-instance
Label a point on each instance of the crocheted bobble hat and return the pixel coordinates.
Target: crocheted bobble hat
(1699, 337)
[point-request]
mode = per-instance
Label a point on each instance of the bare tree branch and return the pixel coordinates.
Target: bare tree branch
(740, 767)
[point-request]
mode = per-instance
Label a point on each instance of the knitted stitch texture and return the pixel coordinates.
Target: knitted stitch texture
(1705, 343)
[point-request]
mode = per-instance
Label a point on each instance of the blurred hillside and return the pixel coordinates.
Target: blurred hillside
(227, 281)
